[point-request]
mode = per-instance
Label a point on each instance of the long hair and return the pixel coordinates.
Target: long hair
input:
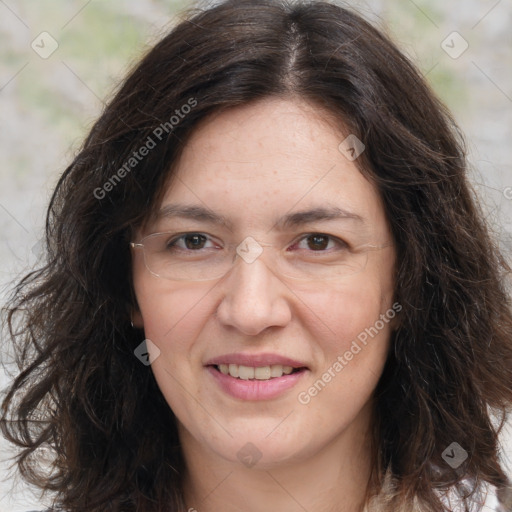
(84, 398)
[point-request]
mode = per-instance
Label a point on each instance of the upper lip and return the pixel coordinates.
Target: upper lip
(255, 360)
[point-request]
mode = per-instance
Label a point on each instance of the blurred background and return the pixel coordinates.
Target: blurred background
(60, 61)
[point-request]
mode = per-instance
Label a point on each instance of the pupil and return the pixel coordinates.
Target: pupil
(320, 241)
(196, 238)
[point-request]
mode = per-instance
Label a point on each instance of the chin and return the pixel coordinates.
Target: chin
(262, 448)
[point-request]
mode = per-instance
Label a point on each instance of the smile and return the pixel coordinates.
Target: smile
(255, 383)
(257, 373)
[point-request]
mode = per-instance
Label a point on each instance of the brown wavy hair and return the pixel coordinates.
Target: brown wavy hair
(82, 395)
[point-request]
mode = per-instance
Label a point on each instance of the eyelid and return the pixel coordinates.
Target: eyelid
(177, 236)
(339, 241)
(174, 237)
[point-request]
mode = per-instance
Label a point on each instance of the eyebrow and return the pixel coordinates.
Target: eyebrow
(202, 214)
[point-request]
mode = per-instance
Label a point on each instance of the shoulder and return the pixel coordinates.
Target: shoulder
(483, 500)
(463, 497)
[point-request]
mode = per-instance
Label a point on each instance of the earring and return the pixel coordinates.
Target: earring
(131, 319)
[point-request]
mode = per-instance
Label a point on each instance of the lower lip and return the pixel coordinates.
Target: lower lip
(255, 389)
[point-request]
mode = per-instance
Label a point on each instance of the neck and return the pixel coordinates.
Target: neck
(333, 479)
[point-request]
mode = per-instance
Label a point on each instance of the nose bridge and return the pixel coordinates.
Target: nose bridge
(255, 263)
(254, 297)
(249, 250)
(253, 269)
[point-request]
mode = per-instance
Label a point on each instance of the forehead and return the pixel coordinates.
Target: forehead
(259, 161)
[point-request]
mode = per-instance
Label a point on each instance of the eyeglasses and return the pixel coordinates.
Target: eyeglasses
(190, 261)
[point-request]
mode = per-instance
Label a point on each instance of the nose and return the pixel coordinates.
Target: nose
(253, 298)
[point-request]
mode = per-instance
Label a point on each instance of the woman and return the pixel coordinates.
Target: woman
(268, 286)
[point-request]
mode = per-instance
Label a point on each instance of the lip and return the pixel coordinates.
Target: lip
(255, 389)
(255, 360)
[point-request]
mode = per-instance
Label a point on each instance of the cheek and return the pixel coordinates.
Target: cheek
(172, 313)
(359, 317)
(353, 352)
(347, 311)
(174, 317)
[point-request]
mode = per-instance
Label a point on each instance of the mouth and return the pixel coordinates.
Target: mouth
(268, 372)
(262, 376)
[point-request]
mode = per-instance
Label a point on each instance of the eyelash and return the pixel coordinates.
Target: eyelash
(343, 244)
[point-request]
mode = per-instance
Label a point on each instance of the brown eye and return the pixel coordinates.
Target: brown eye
(188, 241)
(194, 241)
(318, 242)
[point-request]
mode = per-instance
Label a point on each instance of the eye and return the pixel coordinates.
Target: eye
(188, 241)
(320, 242)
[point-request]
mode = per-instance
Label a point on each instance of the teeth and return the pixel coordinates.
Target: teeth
(259, 373)
(245, 372)
(232, 369)
(262, 373)
(276, 371)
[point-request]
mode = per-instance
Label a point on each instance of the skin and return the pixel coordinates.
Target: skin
(254, 164)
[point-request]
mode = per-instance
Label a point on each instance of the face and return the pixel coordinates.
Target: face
(253, 166)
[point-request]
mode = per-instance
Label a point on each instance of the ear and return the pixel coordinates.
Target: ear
(137, 319)
(396, 322)
(134, 311)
